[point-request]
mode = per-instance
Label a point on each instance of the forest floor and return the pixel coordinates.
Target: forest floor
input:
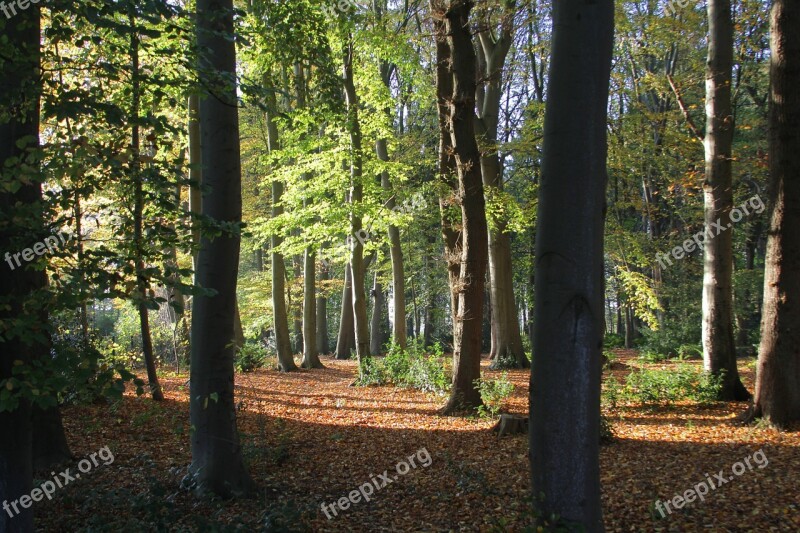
(310, 439)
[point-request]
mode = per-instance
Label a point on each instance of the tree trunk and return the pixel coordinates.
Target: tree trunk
(375, 329)
(569, 324)
(719, 349)
(492, 52)
(346, 340)
(467, 328)
(195, 173)
(361, 325)
(310, 349)
(446, 162)
(777, 396)
(217, 466)
(19, 80)
(297, 310)
(50, 446)
(399, 332)
(283, 343)
(142, 284)
(323, 344)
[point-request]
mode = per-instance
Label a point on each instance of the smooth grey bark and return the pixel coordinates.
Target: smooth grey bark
(310, 349)
(361, 326)
(719, 348)
(20, 89)
(346, 339)
(777, 395)
(323, 343)
(492, 52)
(399, 331)
(569, 320)
(280, 315)
(217, 466)
(375, 329)
(467, 328)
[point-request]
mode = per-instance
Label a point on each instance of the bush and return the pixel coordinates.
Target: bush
(408, 368)
(612, 340)
(493, 393)
(250, 357)
(668, 386)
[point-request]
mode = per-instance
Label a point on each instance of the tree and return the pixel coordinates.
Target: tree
(777, 394)
(719, 349)
(492, 52)
(569, 319)
(357, 264)
(467, 326)
(23, 316)
(217, 466)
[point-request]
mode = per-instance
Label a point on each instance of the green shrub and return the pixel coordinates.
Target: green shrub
(250, 357)
(612, 340)
(372, 372)
(408, 368)
(493, 393)
(428, 374)
(397, 365)
(668, 386)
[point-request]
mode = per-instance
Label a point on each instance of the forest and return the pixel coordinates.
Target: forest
(418, 265)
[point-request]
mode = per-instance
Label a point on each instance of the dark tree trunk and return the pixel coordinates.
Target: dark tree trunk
(568, 337)
(19, 80)
(777, 395)
(310, 353)
(142, 283)
(217, 466)
(467, 328)
(719, 349)
(50, 446)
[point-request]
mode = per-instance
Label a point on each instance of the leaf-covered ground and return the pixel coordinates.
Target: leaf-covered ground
(309, 438)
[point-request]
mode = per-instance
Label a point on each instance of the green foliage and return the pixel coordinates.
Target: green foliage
(665, 387)
(612, 340)
(412, 367)
(494, 392)
(250, 357)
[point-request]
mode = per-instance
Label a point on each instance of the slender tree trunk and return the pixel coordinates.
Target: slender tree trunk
(20, 84)
(375, 329)
(777, 395)
(346, 340)
(568, 337)
(357, 248)
(283, 343)
(492, 53)
(467, 328)
(310, 349)
(217, 466)
(195, 173)
(719, 350)
(142, 284)
(323, 344)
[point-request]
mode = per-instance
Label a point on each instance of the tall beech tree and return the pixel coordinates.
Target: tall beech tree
(469, 196)
(719, 349)
(777, 395)
(569, 312)
(22, 314)
(217, 466)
